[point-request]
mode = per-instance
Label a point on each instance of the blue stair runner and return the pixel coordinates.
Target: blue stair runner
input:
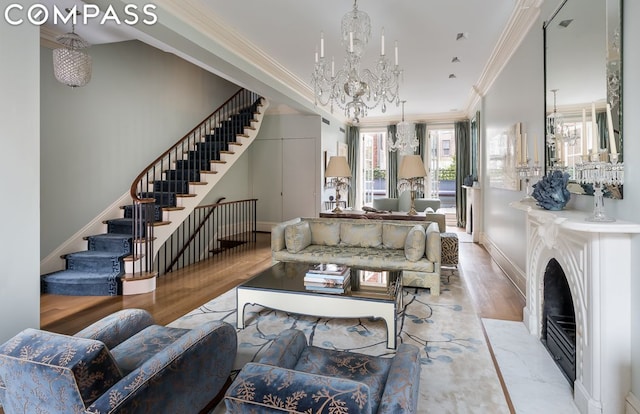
(97, 271)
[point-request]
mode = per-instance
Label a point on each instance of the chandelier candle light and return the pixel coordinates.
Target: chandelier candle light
(353, 89)
(339, 170)
(600, 173)
(525, 171)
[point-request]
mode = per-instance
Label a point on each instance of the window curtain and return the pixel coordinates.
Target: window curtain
(463, 168)
(353, 145)
(421, 134)
(392, 166)
(603, 133)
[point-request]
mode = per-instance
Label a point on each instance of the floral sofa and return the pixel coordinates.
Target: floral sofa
(122, 363)
(413, 247)
(294, 377)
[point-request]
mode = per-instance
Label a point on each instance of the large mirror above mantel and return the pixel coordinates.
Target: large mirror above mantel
(583, 81)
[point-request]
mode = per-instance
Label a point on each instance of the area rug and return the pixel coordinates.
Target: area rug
(457, 375)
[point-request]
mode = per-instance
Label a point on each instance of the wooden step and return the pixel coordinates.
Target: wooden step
(172, 208)
(138, 276)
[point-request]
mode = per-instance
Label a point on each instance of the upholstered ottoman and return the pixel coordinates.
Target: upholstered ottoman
(449, 243)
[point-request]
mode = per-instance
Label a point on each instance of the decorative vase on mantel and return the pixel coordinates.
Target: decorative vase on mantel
(551, 192)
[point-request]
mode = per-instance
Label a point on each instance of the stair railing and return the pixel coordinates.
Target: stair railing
(144, 196)
(210, 230)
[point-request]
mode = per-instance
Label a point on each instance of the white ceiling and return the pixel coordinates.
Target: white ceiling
(288, 31)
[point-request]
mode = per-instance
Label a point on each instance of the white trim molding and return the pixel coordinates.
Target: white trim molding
(633, 404)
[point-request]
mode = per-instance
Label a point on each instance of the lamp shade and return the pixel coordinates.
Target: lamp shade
(411, 166)
(338, 167)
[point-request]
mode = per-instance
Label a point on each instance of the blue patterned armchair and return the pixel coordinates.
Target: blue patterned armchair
(123, 363)
(295, 377)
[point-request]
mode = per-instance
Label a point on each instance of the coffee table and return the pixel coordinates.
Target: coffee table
(281, 287)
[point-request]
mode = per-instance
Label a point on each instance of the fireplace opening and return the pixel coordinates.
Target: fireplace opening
(558, 320)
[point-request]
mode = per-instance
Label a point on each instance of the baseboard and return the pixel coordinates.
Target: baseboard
(265, 226)
(53, 262)
(633, 404)
(513, 272)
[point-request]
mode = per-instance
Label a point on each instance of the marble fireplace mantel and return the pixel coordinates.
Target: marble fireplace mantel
(595, 258)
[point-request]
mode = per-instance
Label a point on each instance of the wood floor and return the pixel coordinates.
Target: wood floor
(179, 292)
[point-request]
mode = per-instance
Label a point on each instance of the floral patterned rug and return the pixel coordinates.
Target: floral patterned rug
(457, 375)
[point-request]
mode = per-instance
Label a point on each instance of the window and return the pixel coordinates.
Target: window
(446, 147)
(374, 166)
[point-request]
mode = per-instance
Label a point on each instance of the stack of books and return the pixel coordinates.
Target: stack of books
(328, 278)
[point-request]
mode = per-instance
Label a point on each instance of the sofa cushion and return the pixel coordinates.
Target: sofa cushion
(136, 350)
(361, 234)
(366, 257)
(414, 246)
(394, 235)
(325, 233)
(370, 370)
(260, 388)
(297, 236)
(386, 204)
(433, 247)
(64, 365)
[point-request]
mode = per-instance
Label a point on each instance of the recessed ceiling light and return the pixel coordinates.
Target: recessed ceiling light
(565, 23)
(455, 59)
(452, 76)
(462, 36)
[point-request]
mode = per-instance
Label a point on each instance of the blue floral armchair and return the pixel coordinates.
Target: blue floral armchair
(295, 377)
(123, 363)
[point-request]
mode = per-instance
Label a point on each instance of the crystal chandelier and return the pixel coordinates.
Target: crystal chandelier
(71, 65)
(557, 131)
(351, 88)
(406, 140)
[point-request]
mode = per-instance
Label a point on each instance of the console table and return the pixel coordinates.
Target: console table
(358, 214)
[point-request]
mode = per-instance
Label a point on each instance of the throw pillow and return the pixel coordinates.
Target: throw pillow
(361, 234)
(297, 236)
(325, 233)
(414, 245)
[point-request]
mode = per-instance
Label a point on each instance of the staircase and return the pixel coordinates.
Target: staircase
(121, 261)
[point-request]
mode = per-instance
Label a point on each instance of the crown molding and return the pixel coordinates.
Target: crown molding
(203, 20)
(48, 37)
(523, 17)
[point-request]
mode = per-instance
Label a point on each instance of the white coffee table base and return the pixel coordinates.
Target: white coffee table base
(325, 305)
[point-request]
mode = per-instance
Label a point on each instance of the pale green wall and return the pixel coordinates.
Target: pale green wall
(517, 95)
(20, 183)
(97, 139)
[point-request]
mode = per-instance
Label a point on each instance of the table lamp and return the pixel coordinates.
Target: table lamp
(411, 174)
(339, 170)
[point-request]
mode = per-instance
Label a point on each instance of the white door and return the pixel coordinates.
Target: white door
(299, 178)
